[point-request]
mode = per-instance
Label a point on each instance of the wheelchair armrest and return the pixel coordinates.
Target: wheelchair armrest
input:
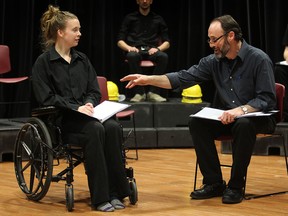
(44, 111)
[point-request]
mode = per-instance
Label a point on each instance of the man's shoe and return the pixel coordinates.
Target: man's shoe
(152, 97)
(209, 191)
(138, 98)
(232, 196)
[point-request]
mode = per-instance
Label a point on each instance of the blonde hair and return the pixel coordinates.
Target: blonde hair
(51, 21)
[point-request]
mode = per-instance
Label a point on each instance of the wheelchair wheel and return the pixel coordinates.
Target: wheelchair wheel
(133, 198)
(69, 197)
(33, 159)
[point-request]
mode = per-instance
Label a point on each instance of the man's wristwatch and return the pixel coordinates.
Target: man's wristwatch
(244, 109)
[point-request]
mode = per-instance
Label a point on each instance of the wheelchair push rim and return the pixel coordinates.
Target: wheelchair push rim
(33, 159)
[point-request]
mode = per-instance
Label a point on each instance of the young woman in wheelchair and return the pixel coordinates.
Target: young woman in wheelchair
(64, 77)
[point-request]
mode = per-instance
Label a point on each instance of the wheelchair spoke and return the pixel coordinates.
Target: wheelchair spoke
(27, 165)
(32, 173)
(26, 148)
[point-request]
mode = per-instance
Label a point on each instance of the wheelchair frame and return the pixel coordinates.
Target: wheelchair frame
(38, 145)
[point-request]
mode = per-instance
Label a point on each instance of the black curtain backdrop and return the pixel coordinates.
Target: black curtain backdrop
(263, 23)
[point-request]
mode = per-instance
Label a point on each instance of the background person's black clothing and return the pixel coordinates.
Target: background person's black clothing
(139, 30)
(144, 32)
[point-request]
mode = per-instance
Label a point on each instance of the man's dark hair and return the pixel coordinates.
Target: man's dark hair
(229, 24)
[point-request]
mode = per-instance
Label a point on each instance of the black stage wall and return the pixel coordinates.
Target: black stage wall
(263, 23)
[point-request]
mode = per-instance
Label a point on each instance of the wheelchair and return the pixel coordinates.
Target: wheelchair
(39, 147)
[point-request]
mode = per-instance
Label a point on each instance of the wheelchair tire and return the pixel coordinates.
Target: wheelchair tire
(69, 197)
(133, 198)
(33, 159)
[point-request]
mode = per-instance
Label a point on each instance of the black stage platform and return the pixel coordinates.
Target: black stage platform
(161, 125)
(8, 132)
(158, 125)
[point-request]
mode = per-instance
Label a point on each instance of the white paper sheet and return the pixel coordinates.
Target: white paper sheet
(214, 114)
(107, 109)
(282, 63)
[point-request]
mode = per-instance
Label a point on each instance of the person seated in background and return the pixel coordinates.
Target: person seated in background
(64, 77)
(281, 73)
(144, 36)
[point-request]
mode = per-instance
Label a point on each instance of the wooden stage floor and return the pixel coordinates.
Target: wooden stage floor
(164, 180)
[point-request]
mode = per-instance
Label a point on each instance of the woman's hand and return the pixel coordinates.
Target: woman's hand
(87, 109)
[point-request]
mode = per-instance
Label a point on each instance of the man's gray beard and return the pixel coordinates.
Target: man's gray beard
(219, 56)
(222, 54)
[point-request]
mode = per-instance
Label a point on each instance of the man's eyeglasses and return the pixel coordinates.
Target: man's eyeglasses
(212, 41)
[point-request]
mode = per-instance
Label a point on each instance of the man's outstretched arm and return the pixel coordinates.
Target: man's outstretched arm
(161, 81)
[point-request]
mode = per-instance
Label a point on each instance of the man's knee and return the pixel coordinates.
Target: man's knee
(244, 125)
(193, 124)
(243, 122)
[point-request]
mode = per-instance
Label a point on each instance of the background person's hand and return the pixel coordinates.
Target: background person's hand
(133, 49)
(152, 51)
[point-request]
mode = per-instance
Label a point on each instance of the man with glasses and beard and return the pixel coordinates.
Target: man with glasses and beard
(244, 81)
